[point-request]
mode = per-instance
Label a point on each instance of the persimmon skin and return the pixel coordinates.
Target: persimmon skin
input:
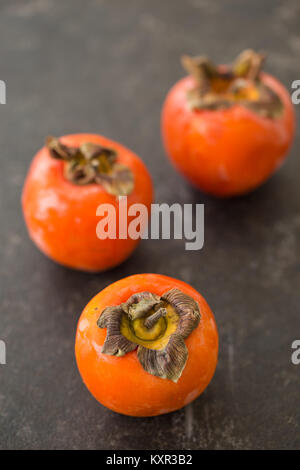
(121, 383)
(225, 152)
(61, 216)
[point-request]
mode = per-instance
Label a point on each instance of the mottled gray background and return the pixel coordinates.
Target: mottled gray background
(106, 66)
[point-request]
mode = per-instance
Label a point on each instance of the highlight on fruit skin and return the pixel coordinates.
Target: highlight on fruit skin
(227, 128)
(146, 345)
(68, 179)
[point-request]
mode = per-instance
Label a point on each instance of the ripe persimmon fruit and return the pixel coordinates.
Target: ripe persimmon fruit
(227, 128)
(146, 345)
(67, 181)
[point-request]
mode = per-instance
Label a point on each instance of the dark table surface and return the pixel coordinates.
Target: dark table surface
(105, 67)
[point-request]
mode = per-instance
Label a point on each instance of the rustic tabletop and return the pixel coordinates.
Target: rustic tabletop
(105, 67)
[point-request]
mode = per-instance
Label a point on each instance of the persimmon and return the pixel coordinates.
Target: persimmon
(227, 128)
(146, 345)
(67, 181)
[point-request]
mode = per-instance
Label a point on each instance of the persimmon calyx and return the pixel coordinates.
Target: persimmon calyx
(156, 326)
(92, 163)
(241, 83)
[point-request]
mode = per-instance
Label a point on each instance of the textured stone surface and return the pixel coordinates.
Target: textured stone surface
(106, 66)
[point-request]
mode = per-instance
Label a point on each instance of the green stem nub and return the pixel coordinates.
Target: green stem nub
(152, 319)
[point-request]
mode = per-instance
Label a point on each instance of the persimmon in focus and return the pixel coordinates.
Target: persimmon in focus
(146, 345)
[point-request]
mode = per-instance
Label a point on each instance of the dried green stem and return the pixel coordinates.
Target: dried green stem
(152, 319)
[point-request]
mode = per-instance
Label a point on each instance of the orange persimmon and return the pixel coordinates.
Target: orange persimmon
(68, 179)
(227, 128)
(146, 345)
